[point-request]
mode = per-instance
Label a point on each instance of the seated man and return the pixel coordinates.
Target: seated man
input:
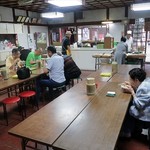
(33, 58)
(12, 62)
(71, 69)
(139, 111)
(55, 70)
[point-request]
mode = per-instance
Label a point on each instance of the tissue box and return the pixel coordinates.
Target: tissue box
(111, 94)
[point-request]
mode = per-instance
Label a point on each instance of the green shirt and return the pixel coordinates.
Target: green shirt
(32, 57)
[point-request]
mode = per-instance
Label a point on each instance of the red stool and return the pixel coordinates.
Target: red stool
(9, 100)
(27, 95)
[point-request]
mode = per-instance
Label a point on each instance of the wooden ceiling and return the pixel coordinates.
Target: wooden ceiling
(43, 6)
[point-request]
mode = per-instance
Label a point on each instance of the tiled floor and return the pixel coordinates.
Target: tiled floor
(9, 142)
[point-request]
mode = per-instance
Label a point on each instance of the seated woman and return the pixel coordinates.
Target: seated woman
(139, 87)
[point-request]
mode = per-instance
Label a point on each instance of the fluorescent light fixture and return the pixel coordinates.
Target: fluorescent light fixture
(107, 22)
(52, 15)
(65, 3)
(140, 6)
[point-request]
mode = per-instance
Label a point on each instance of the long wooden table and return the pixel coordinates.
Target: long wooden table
(98, 126)
(12, 84)
(46, 125)
(58, 119)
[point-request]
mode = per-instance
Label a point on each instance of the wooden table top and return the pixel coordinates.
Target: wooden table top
(96, 74)
(139, 56)
(119, 78)
(53, 119)
(47, 124)
(125, 68)
(98, 125)
(38, 71)
(104, 55)
(12, 82)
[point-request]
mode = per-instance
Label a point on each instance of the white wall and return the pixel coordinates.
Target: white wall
(115, 30)
(93, 15)
(19, 12)
(117, 13)
(25, 29)
(34, 14)
(6, 14)
(139, 14)
(68, 18)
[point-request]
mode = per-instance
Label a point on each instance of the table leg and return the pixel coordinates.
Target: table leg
(23, 143)
(47, 147)
(142, 64)
(98, 63)
(95, 63)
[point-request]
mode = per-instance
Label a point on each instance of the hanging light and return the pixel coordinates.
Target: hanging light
(107, 22)
(140, 6)
(65, 3)
(52, 15)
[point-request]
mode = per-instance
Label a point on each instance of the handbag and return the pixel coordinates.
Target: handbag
(23, 73)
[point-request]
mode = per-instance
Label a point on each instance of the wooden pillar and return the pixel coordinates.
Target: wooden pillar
(28, 26)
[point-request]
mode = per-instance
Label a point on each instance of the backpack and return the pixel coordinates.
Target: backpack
(23, 73)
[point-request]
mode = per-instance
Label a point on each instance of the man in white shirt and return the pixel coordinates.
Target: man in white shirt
(55, 70)
(129, 40)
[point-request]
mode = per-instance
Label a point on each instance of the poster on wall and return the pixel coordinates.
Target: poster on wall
(41, 40)
(31, 42)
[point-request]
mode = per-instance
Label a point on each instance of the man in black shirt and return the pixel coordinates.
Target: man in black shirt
(66, 44)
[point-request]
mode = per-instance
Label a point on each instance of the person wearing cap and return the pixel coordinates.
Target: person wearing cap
(129, 40)
(33, 58)
(66, 44)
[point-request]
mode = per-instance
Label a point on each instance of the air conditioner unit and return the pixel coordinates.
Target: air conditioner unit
(25, 2)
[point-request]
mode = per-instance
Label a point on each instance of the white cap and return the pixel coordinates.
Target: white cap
(68, 33)
(129, 32)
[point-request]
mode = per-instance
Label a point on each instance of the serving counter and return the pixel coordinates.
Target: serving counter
(83, 56)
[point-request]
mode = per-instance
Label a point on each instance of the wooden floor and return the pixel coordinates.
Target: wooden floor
(9, 142)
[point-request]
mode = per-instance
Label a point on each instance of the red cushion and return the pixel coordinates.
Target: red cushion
(27, 94)
(11, 100)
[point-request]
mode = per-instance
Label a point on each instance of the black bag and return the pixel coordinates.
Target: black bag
(23, 73)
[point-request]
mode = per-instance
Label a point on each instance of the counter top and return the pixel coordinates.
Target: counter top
(86, 49)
